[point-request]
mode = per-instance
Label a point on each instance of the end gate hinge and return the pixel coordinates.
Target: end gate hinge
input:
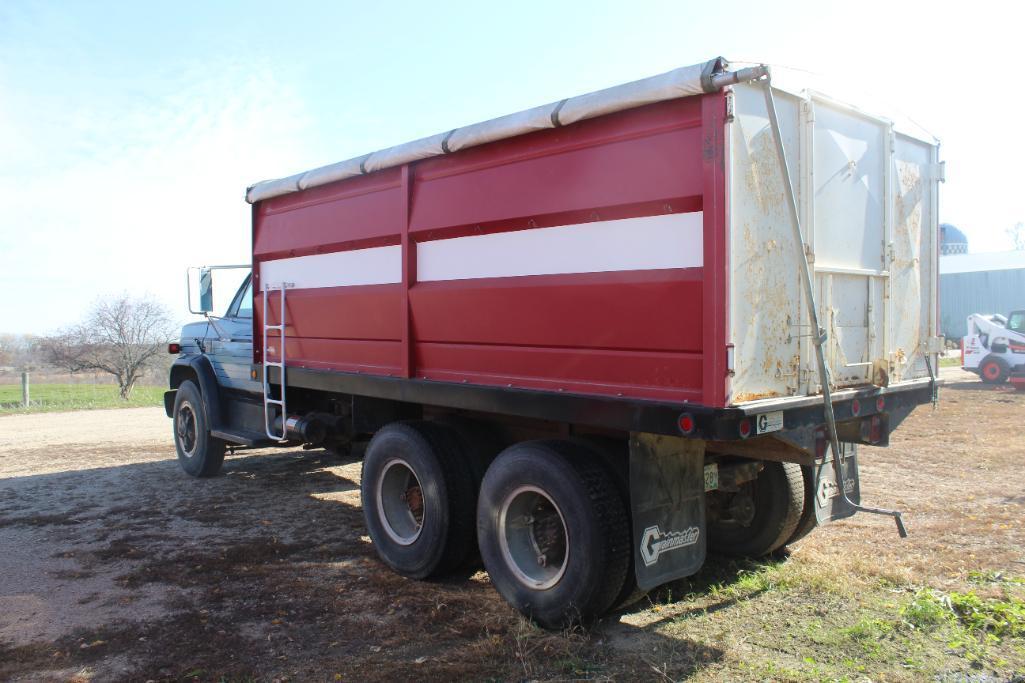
(939, 171)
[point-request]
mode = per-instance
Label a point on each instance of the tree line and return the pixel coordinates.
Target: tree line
(122, 336)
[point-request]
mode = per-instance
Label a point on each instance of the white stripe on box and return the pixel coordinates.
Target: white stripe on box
(648, 243)
(373, 266)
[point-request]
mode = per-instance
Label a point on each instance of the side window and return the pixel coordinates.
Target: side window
(1017, 322)
(245, 304)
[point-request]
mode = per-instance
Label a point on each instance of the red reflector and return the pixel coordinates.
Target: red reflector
(820, 444)
(875, 429)
(880, 404)
(686, 423)
(174, 347)
(745, 428)
(855, 407)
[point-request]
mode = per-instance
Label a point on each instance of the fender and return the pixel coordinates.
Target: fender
(199, 365)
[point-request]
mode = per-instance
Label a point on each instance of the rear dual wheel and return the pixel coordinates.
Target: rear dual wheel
(551, 524)
(419, 497)
(763, 516)
(554, 532)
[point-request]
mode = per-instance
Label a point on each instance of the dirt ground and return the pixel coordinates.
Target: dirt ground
(115, 565)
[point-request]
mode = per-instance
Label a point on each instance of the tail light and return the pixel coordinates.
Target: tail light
(880, 404)
(855, 407)
(744, 428)
(174, 347)
(686, 423)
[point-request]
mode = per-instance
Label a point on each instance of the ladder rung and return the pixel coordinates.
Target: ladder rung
(274, 401)
(273, 364)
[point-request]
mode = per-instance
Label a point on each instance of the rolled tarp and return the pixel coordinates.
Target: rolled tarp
(683, 82)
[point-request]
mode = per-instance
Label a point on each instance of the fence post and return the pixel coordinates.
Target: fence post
(24, 389)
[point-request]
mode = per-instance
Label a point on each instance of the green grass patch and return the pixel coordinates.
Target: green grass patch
(952, 362)
(56, 397)
(798, 621)
(982, 618)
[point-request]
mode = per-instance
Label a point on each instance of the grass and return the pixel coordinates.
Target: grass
(56, 397)
(796, 621)
(951, 362)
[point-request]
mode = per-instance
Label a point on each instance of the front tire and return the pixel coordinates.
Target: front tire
(199, 454)
(994, 371)
(553, 532)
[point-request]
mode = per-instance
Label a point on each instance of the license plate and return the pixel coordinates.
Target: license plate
(769, 422)
(711, 477)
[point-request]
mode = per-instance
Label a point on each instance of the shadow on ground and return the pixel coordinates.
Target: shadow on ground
(264, 572)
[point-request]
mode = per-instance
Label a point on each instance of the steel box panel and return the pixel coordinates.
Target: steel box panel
(670, 376)
(357, 212)
(368, 312)
(644, 155)
(588, 310)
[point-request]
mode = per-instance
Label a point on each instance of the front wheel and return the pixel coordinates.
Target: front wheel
(199, 454)
(994, 371)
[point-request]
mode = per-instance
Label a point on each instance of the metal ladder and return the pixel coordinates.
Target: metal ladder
(268, 400)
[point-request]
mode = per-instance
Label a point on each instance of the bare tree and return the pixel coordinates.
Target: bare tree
(1017, 235)
(121, 336)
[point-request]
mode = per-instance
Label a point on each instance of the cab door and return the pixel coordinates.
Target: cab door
(231, 349)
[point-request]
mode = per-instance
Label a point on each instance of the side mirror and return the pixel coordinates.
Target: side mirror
(206, 290)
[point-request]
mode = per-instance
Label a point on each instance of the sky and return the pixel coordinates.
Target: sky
(129, 131)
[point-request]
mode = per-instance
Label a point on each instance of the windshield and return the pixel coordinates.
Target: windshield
(241, 305)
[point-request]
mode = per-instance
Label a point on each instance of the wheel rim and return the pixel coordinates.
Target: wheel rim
(533, 537)
(185, 429)
(991, 371)
(400, 502)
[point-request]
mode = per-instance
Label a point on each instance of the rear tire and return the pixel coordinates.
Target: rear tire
(199, 454)
(994, 371)
(615, 455)
(807, 523)
(418, 499)
(553, 532)
(767, 512)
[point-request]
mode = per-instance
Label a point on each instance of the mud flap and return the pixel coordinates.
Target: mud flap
(667, 494)
(829, 504)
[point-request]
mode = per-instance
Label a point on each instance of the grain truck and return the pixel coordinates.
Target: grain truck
(591, 341)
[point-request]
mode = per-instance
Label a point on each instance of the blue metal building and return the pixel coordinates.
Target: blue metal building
(979, 283)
